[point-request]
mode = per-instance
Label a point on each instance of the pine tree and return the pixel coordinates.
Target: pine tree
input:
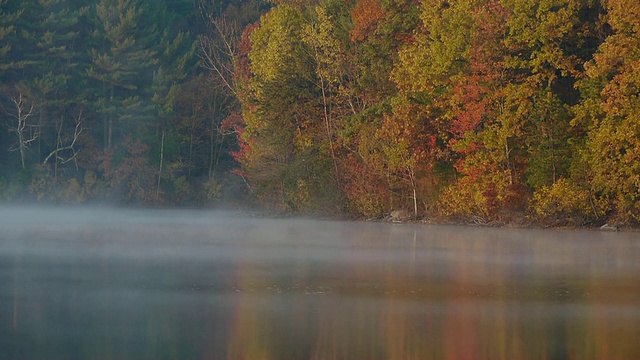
(120, 58)
(176, 60)
(51, 39)
(7, 30)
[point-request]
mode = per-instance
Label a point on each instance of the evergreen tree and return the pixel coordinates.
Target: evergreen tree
(8, 17)
(176, 55)
(121, 58)
(51, 42)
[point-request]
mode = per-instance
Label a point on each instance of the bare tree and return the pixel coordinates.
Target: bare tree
(218, 50)
(66, 144)
(219, 55)
(25, 132)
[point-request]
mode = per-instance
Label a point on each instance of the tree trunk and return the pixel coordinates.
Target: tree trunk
(327, 122)
(415, 197)
(161, 164)
(110, 125)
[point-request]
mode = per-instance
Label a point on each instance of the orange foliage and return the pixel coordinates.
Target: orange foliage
(243, 64)
(476, 92)
(625, 15)
(365, 15)
(130, 177)
(366, 192)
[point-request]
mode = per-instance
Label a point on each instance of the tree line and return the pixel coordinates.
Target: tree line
(472, 110)
(110, 100)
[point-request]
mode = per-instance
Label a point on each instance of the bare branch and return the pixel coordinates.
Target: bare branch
(218, 51)
(22, 113)
(61, 147)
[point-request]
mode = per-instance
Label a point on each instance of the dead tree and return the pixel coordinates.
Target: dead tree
(218, 50)
(25, 132)
(65, 145)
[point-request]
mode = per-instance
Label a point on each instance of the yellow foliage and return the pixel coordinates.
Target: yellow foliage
(181, 188)
(39, 187)
(369, 205)
(302, 194)
(476, 198)
(463, 200)
(212, 190)
(72, 193)
(91, 184)
(565, 199)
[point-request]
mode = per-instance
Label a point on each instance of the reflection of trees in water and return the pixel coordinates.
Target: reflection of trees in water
(322, 290)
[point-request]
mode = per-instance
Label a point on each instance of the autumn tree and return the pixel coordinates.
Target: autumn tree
(609, 112)
(127, 172)
(429, 75)
(279, 84)
(379, 29)
(365, 16)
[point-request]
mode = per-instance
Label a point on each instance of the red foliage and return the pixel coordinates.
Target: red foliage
(474, 93)
(235, 124)
(131, 178)
(366, 191)
(481, 88)
(243, 64)
(472, 106)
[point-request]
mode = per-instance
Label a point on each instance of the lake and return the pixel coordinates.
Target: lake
(99, 283)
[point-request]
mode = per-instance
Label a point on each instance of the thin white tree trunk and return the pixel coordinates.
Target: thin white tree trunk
(161, 164)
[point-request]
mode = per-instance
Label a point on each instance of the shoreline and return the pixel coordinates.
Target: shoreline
(519, 222)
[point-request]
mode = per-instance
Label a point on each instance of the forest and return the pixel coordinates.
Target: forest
(482, 111)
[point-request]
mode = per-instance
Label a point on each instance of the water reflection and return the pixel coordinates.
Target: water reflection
(193, 285)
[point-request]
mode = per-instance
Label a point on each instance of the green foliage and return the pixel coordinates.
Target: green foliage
(439, 52)
(181, 189)
(287, 123)
(7, 31)
(550, 154)
(102, 71)
(15, 188)
(119, 62)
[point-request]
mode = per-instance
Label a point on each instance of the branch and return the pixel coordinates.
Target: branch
(220, 56)
(76, 134)
(20, 106)
(34, 136)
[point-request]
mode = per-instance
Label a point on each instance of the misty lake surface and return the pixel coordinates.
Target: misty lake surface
(80, 283)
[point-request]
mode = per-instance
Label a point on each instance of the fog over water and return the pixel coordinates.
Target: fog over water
(104, 283)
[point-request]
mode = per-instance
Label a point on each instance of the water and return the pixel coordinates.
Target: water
(133, 284)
